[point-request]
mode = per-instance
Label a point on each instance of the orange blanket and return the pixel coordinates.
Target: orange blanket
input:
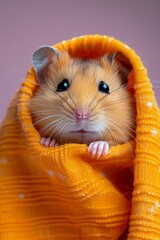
(60, 192)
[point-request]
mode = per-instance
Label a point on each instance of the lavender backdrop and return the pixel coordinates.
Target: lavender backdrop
(25, 25)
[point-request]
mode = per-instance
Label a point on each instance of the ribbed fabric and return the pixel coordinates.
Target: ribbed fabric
(61, 193)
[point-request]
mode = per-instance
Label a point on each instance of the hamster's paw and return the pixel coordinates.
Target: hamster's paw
(48, 142)
(99, 148)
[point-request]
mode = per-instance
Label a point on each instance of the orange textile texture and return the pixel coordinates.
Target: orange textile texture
(61, 192)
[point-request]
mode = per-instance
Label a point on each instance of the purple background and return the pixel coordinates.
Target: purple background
(25, 25)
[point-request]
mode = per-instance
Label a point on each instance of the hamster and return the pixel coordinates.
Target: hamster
(82, 100)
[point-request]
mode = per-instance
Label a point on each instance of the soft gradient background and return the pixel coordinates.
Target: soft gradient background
(25, 25)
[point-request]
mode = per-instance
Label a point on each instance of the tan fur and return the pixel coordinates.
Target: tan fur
(111, 116)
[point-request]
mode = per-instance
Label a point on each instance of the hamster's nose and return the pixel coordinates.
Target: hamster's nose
(81, 113)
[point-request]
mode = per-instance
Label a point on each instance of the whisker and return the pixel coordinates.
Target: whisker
(121, 86)
(120, 126)
(63, 130)
(60, 130)
(113, 81)
(45, 118)
(47, 128)
(117, 141)
(112, 133)
(59, 95)
(41, 98)
(50, 126)
(116, 101)
(125, 122)
(40, 112)
(60, 113)
(106, 95)
(113, 123)
(107, 134)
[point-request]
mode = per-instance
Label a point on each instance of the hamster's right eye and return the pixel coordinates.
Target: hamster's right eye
(63, 86)
(103, 87)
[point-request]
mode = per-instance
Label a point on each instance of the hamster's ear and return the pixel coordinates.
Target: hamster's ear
(110, 57)
(124, 64)
(41, 58)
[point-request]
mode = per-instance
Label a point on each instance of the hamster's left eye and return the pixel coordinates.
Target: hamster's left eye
(103, 87)
(63, 86)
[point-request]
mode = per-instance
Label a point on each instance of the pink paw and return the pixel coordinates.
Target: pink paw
(99, 148)
(48, 142)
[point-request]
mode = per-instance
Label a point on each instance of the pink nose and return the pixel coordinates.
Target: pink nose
(82, 113)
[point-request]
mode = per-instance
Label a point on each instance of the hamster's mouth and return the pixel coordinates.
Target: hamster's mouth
(83, 136)
(82, 131)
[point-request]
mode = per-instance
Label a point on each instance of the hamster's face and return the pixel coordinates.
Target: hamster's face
(81, 101)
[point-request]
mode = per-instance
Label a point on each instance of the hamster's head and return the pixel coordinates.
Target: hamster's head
(81, 100)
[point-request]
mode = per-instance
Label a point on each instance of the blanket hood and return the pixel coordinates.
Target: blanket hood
(61, 193)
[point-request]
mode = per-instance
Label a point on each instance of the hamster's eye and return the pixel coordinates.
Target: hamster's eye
(63, 86)
(103, 87)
